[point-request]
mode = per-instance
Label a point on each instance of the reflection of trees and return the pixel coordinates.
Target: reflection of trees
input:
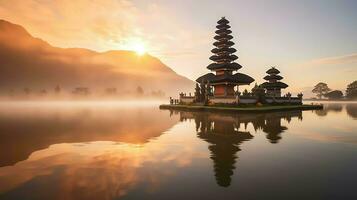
(351, 110)
(222, 132)
(332, 107)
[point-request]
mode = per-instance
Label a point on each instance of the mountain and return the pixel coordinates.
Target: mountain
(28, 62)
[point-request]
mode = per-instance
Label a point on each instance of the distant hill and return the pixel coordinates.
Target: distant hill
(30, 62)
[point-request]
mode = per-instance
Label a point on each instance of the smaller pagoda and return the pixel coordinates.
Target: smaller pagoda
(273, 85)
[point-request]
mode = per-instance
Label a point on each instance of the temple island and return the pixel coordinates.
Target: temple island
(219, 89)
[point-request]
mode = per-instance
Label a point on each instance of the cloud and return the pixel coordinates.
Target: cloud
(335, 60)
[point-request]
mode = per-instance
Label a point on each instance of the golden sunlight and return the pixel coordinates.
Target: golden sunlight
(139, 48)
(137, 45)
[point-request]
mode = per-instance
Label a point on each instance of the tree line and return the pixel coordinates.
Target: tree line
(84, 91)
(322, 90)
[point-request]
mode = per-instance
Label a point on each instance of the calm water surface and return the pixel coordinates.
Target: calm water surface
(127, 151)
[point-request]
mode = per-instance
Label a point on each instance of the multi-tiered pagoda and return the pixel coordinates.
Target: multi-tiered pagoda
(273, 85)
(224, 80)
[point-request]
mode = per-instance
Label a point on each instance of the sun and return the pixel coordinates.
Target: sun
(139, 48)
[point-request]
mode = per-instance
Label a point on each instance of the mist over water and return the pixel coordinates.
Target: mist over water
(134, 150)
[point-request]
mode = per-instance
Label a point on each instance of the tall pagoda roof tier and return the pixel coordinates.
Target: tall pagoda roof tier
(223, 31)
(223, 21)
(225, 43)
(220, 58)
(205, 78)
(223, 37)
(273, 70)
(237, 78)
(223, 26)
(273, 77)
(228, 66)
(268, 85)
(223, 50)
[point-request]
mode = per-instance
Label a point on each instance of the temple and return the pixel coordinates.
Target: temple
(221, 86)
(273, 85)
(224, 80)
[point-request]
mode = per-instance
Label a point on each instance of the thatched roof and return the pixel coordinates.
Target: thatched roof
(237, 78)
(224, 49)
(223, 37)
(217, 58)
(230, 66)
(223, 31)
(278, 85)
(205, 78)
(226, 43)
(273, 77)
(223, 20)
(223, 26)
(273, 70)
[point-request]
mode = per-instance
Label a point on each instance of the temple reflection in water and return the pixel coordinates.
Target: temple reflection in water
(224, 134)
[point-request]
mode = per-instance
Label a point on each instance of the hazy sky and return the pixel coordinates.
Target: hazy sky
(308, 40)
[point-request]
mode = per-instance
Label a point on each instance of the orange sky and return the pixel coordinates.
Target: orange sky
(308, 41)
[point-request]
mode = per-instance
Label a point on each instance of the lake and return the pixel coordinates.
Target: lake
(109, 150)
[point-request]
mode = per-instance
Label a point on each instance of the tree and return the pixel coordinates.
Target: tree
(27, 91)
(197, 93)
(351, 91)
(203, 92)
(336, 94)
(57, 89)
(321, 89)
(139, 90)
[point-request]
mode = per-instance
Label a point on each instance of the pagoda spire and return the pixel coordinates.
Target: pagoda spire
(223, 57)
(224, 80)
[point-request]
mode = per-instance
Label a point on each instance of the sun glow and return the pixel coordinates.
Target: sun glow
(139, 48)
(135, 44)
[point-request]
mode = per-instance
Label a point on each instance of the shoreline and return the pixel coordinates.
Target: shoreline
(241, 109)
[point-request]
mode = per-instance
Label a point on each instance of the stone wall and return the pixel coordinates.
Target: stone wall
(283, 100)
(251, 100)
(224, 100)
(243, 100)
(187, 99)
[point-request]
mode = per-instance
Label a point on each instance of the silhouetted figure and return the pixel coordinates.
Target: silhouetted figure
(171, 101)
